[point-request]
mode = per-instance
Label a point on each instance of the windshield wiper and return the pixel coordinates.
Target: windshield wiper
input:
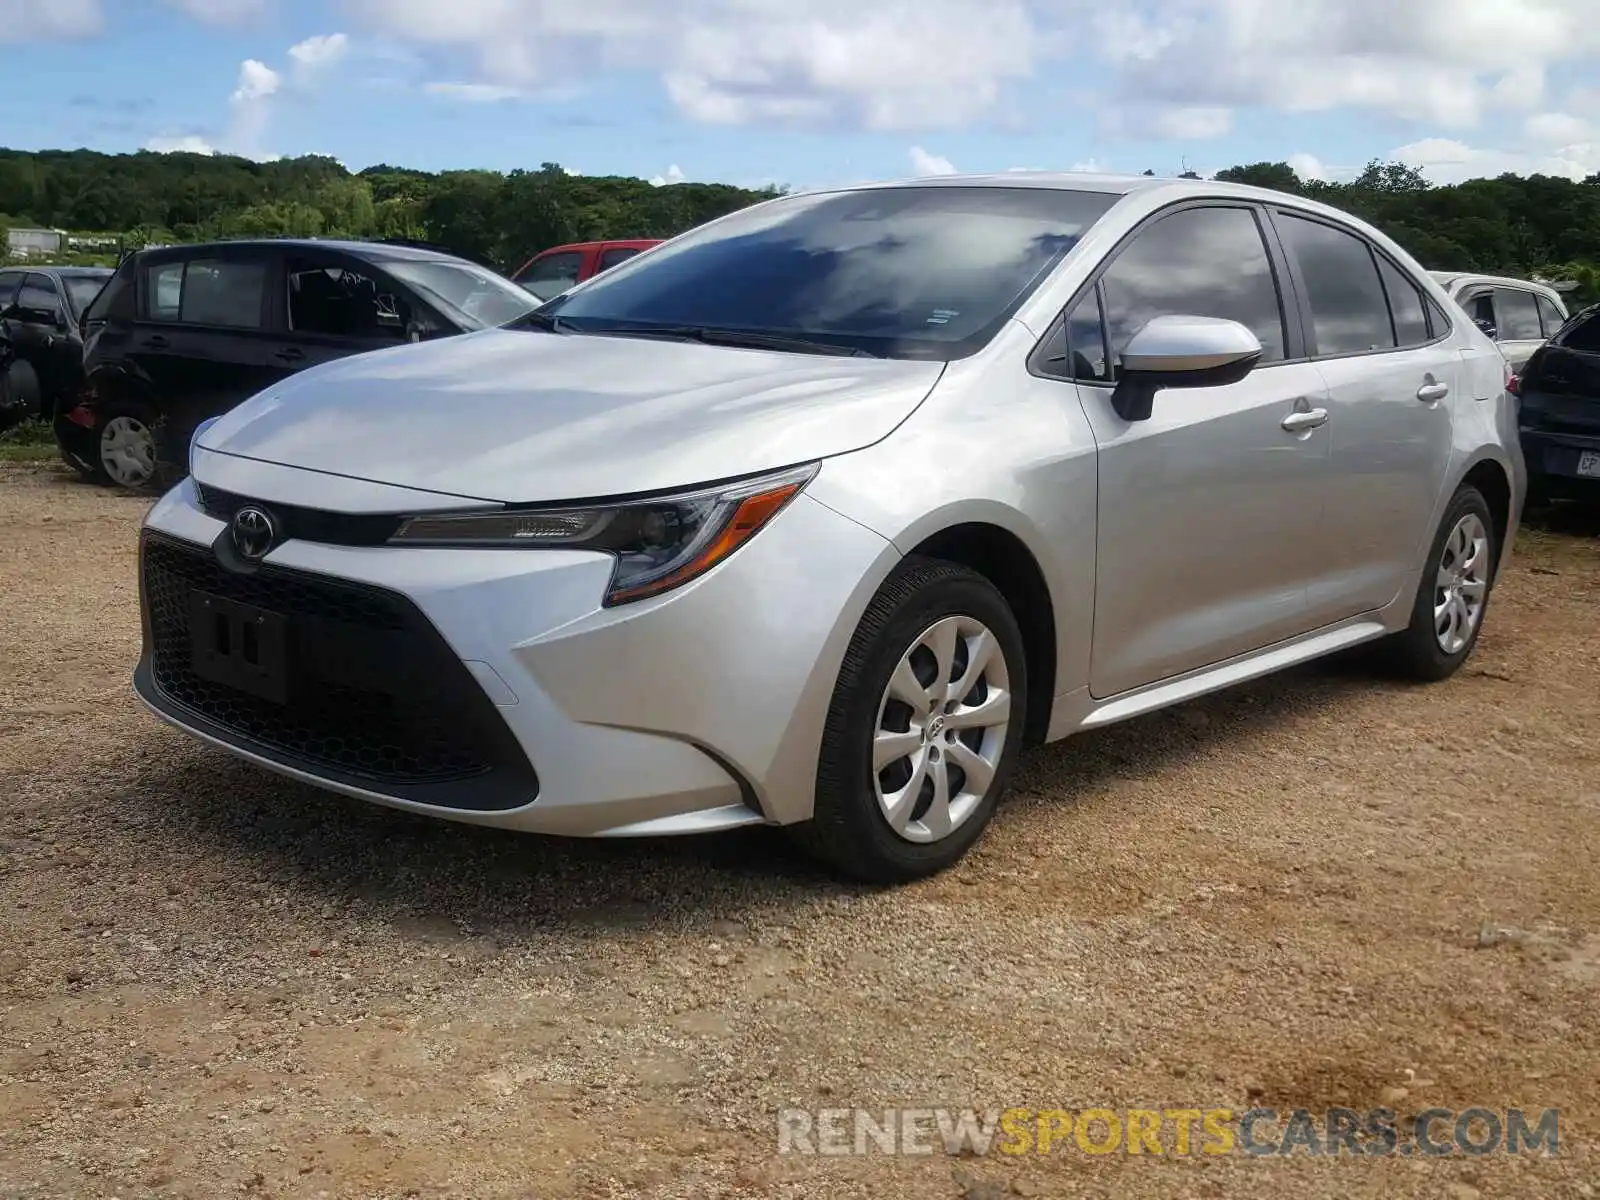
(750, 339)
(534, 319)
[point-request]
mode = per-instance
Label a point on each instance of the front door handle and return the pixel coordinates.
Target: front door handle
(1308, 419)
(1432, 391)
(291, 354)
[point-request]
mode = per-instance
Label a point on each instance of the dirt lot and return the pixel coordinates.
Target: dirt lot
(1310, 892)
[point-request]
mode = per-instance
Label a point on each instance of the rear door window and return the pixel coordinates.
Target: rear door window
(1405, 302)
(616, 254)
(10, 282)
(39, 300)
(1517, 315)
(1349, 311)
(226, 292)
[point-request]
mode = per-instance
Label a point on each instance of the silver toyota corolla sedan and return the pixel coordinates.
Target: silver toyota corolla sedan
(817, 515)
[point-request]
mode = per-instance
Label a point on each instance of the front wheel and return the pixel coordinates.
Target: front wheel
(1453, 595)
(924, 728)
(125, 446)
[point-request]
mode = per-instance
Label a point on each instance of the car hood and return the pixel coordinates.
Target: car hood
(529, 416)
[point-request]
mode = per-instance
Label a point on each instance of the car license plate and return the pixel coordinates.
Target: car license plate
(1589, 463)
(239, 646)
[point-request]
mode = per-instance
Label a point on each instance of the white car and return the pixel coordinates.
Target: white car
(817, 515)
(1517, 313)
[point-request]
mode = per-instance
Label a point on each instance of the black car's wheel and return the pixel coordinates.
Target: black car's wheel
(1453, 595)
(924, 729)
(125, 445)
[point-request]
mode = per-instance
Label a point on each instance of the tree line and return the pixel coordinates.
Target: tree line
(1512, 225)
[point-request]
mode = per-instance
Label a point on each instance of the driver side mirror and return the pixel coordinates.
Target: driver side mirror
(1181, 352)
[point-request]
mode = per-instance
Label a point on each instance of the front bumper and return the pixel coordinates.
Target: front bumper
(701, 709)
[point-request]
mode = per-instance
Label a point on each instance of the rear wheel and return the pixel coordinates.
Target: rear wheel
(924, 728)
(125, 446)
(1453, 595)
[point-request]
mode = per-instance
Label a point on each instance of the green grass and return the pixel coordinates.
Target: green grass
(32, 441)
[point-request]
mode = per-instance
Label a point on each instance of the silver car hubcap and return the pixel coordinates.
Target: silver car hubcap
(127, 450)
(1461, 585)
(941, 729)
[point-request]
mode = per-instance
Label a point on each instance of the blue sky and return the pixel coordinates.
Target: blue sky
(813, 92)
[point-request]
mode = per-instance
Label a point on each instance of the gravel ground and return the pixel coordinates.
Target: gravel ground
(1312, 891)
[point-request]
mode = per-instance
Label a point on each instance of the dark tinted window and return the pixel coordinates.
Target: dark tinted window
(926, 272)
(1583, 333)
(615, 255)
(1438, 322)
(1518, 314)
(1349, 313)
(338, 302)
(10, 281)
(39, 298)
(1200, 262)
(163, 291)
(223, 291)
(1481, 309)
(1405, 303)
(1550, 315)
(1085, 337)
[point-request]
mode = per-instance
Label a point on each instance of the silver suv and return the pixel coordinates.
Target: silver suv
(816, 515)
(1517, 314)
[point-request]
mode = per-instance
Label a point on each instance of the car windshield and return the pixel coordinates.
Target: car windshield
(83, 289)
(914, 272)
(474, 296)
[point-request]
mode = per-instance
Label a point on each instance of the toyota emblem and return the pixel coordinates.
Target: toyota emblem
(253, 533)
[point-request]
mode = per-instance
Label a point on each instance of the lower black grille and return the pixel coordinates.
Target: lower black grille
(372, 691)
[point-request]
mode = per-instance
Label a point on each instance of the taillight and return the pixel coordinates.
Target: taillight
(1513, 384)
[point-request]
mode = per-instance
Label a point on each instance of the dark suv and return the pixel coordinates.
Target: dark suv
(186, 332)
(40, 312)
(1560, 414)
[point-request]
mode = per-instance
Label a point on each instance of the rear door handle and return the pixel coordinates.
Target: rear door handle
(1432, 392)
(291, 354)
(157, 342)
(1300, 422)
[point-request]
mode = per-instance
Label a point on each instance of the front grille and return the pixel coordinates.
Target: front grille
(307, 524)
(373, 693)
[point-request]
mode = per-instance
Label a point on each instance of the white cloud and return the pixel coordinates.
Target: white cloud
(1092, 167)
(471, 93)
(220, 12)
(674, 174)
(36, 20)
(1192, 122)
(895, 64)
(1555, 129)
(318, 53)
(184, 144)
(923, 163)
(1446, 160)
(1308, 166)
(255, 95)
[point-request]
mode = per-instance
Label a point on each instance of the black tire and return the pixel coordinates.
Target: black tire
(848, 829)
(104, 417)
(1415, 652)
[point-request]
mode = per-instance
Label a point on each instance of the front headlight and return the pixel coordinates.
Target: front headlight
(660, 543)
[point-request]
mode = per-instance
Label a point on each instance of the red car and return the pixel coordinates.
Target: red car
(553, 271)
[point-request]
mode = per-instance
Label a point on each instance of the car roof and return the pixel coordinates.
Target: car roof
(602, 242)
(64, 272)
(1453, 279)
(371, 251)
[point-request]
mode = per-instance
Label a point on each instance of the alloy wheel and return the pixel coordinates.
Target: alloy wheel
(941, 728)
(1461, 584)
(128, 451)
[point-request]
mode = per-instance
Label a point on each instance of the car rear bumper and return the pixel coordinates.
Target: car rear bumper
(1553, 458)
(538, 709)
